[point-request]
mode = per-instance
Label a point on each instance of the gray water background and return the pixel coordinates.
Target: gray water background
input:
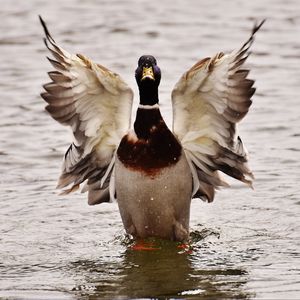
(246, 243)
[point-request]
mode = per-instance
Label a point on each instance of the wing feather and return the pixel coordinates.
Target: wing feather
(96, 103)
(208, 102)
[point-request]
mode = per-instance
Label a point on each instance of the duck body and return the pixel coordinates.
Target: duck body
(153, 179)
(151, 171)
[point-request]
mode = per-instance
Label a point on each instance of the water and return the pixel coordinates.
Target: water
(245, 244)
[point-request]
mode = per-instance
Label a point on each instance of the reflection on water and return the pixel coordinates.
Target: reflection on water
(172, 270)
(163, 274)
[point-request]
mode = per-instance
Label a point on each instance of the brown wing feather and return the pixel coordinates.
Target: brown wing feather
(96, 104)
(208, 101)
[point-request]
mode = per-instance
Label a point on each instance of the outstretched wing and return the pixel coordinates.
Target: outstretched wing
(208, 101)
(96, 103)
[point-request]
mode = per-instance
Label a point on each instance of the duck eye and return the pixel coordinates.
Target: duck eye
(156, 69)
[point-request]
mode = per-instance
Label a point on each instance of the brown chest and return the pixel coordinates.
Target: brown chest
(161, 149)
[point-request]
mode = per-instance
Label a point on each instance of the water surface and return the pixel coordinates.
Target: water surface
(245, 245)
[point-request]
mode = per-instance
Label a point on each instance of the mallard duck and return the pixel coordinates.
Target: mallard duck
(153, 172)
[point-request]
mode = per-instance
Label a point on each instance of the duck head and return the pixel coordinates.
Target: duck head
(148, 77)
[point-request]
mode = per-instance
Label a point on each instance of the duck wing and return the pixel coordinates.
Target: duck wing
(96, 103)
(208, 102)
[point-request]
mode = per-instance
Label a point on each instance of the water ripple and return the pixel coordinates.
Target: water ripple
(242, 246)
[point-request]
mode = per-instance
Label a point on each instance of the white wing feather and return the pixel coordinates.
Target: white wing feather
(208, 101)
(96, 103)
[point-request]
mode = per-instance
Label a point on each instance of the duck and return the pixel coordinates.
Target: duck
(151, 171)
